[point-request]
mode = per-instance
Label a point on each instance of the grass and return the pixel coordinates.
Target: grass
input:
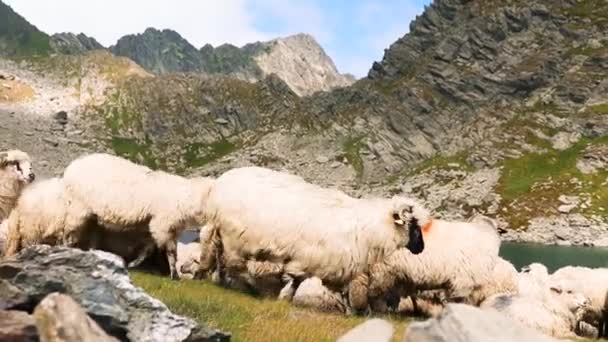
(198, 154)
(134, 151)
(530, 185)
(352, 150)
(442, 162)
(249, 318)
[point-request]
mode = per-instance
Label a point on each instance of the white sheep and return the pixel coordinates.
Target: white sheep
(38, 217)
(188, 255)
(275, 217)
(554, 312)
(503, 279)
(593, 283)
(458, 257)
(120, 194)
(15, 173)
(312, 294)
(533, 279)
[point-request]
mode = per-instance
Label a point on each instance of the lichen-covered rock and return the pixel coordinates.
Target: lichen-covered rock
(99, 282)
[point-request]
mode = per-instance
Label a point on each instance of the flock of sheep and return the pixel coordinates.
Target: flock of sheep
(277, 235)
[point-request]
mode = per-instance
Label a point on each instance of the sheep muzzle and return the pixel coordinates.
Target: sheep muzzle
(416, 242)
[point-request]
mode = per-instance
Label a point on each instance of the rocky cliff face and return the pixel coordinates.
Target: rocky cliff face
(298, 60)
(301, 62)
(495, 107)
(71, 44)
(18, 37)
(159, 51)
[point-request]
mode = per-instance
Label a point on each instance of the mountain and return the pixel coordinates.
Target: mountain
(18, 37)
(497, 107)
(70, 43)
(298, 59)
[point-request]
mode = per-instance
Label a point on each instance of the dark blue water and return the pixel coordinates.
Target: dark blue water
(554, 257)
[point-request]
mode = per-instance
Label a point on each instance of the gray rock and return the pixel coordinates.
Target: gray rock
(17, 326)
(564, 140)
(60, 319)
(322, 159)
(566, 208)
(99, 282)
(373, 330)
(464, 323)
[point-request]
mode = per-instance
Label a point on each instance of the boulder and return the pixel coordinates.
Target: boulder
(17, 326)
(99, 282)
(60, 319)
(465, 323)
(373, 330)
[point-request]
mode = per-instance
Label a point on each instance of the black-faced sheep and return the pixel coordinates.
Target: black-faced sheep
(459, 258)
(121, 194)
(269, 216)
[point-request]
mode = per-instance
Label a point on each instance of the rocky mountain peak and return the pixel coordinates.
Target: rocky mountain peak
(302, 63)
(299, 60)
(69, 43)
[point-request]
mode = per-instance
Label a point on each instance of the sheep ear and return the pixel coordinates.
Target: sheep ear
(556, 289)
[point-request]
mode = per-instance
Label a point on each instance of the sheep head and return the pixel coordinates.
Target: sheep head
(407, 213)
(575, 301)
(19, 163)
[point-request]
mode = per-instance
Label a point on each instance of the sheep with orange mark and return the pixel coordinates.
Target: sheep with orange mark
(458, 258)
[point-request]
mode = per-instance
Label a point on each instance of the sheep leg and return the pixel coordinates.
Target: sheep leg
(290, 288)
(358, 292)
(172, 258)
(211, 252)
(145, 252)
(76, 220)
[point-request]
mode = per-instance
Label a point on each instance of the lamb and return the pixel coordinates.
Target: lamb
(15, 173)
(458, 258)
(277, 218)
(593, 283)
(188, 255)
(554, 312)
(39, 216)
(120, 194)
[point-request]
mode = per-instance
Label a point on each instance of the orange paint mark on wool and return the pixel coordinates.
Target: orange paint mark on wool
(427, 227)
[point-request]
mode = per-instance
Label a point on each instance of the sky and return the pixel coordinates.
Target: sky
(354, 33)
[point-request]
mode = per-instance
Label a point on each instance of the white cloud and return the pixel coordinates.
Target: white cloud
(199, 21)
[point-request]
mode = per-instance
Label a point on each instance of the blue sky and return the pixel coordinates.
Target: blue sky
(354, 33)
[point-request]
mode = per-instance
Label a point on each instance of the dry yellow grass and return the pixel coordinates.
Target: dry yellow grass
(12, 91)
(248, 318)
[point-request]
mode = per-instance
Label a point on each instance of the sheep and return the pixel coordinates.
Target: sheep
(312, 294)
(533, 279)
(306, 230)
(458, 258)
(188, 255)
(593, 283)
(15, 173)
(553, 311)
(38, 217)
(120, 193)
(503, 279)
